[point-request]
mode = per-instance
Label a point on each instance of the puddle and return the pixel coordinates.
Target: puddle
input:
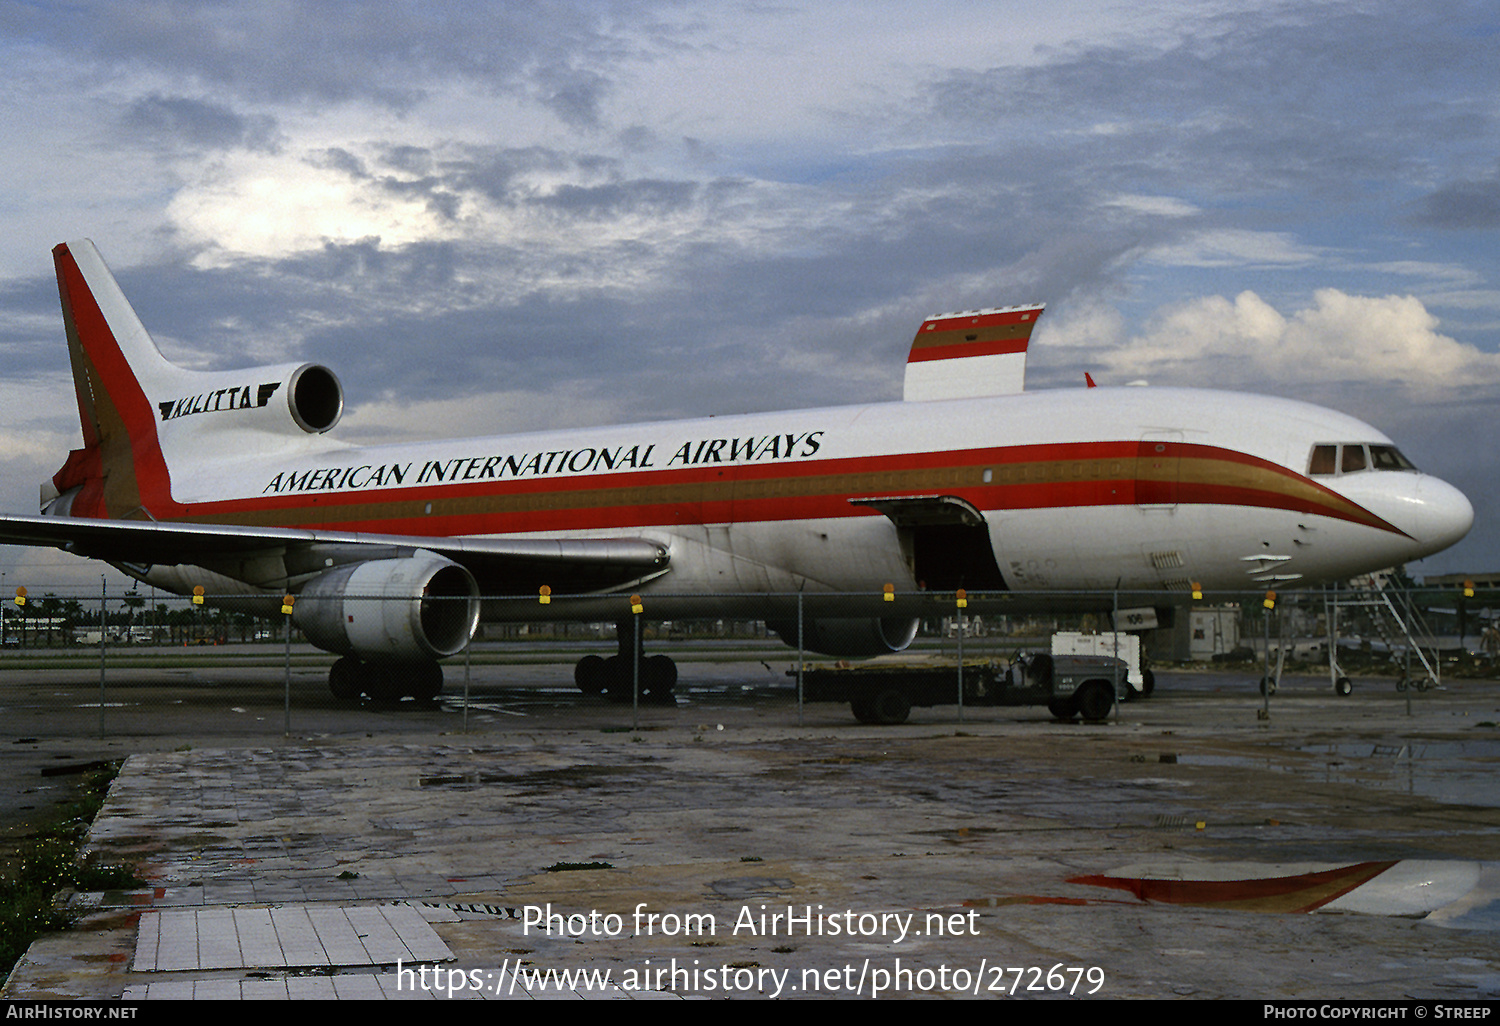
(1453, 772)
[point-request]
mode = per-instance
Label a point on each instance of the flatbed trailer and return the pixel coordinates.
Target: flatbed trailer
(1070, 686)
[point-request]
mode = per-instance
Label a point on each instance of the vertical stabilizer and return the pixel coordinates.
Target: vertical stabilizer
(119, 472)
(970, 354)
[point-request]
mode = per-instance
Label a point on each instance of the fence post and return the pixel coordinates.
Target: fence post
(800, 658)
(286, 611)
(103, 593)
(961, 602)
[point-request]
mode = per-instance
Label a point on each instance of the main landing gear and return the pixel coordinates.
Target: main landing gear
(385, 682)
(613, 677)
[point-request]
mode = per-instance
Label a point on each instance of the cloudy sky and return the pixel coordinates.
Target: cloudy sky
(489, 217)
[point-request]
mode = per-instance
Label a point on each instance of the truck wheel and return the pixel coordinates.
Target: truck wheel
(1094, 701)
(863, 709)
(1062, 709)
(891, 707)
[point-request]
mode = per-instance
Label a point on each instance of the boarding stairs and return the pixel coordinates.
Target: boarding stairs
(1389, 612)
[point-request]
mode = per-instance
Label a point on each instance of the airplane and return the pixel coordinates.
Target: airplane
(233, 482)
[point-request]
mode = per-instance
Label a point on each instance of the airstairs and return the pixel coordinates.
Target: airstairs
(1390, 614)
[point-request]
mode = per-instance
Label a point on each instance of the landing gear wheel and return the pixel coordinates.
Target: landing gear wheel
(1343, 686)
(346, 678)
(1267, 686)
(1148, 682)
(426, 681)
(589, 675)
(658, 678)
(616, 679)
(384, 682)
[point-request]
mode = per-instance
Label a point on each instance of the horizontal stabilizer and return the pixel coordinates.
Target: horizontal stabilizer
(970, 354)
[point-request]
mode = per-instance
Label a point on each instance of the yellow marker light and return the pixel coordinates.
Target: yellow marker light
(545, 595)
(1197, 590)
(890, 593)
(963, 599)
(1270, 600)
(20, 596)
(198, 595)
(1468, 589)
(286, 605)
(635, 604)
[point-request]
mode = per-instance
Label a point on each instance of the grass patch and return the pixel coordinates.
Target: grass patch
(46, 863)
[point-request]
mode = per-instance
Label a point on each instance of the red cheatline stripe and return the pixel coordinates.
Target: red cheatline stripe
(1023, 477)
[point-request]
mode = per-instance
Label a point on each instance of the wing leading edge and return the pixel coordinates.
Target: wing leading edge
(500, 566)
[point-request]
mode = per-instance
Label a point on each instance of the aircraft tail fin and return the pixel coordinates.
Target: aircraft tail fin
(970, 354)
(119, 472)
(140, 412)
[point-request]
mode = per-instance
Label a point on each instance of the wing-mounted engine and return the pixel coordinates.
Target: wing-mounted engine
(415, 609)
(855, 638)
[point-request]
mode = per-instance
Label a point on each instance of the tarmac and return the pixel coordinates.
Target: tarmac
(1337, 849)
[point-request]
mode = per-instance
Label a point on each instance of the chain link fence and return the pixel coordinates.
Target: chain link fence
(127, 660)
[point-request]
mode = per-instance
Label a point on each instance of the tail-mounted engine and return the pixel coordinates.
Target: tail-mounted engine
(849, 638)
(292, 398)
(419, 608)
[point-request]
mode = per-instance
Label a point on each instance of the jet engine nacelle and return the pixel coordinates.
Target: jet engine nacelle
(292, 398)
(419, 608)
(854, 638)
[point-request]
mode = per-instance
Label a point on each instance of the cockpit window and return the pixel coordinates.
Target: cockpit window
(1352, 458)
(1325, 460)
(1388, 457)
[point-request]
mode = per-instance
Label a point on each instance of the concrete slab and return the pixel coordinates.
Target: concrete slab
(828, 860)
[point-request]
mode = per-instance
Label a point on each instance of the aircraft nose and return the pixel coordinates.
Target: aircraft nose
(1436, 514)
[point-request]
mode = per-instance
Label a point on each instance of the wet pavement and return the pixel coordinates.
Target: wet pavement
(1338, 849)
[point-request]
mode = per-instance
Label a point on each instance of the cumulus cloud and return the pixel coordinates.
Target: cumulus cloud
(1340, 339)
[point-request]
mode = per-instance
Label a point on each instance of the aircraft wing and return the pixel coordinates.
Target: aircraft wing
(502, 566)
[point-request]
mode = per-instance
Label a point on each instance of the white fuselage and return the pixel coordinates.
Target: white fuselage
(1135, 488)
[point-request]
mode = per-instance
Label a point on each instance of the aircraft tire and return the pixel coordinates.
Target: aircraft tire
(1267, 686)
(1343, 686)
(346, 678)
(616, 678)
(383, 682)
(658, 678)
(426, 682)
(589, 675)
(1148, 682)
